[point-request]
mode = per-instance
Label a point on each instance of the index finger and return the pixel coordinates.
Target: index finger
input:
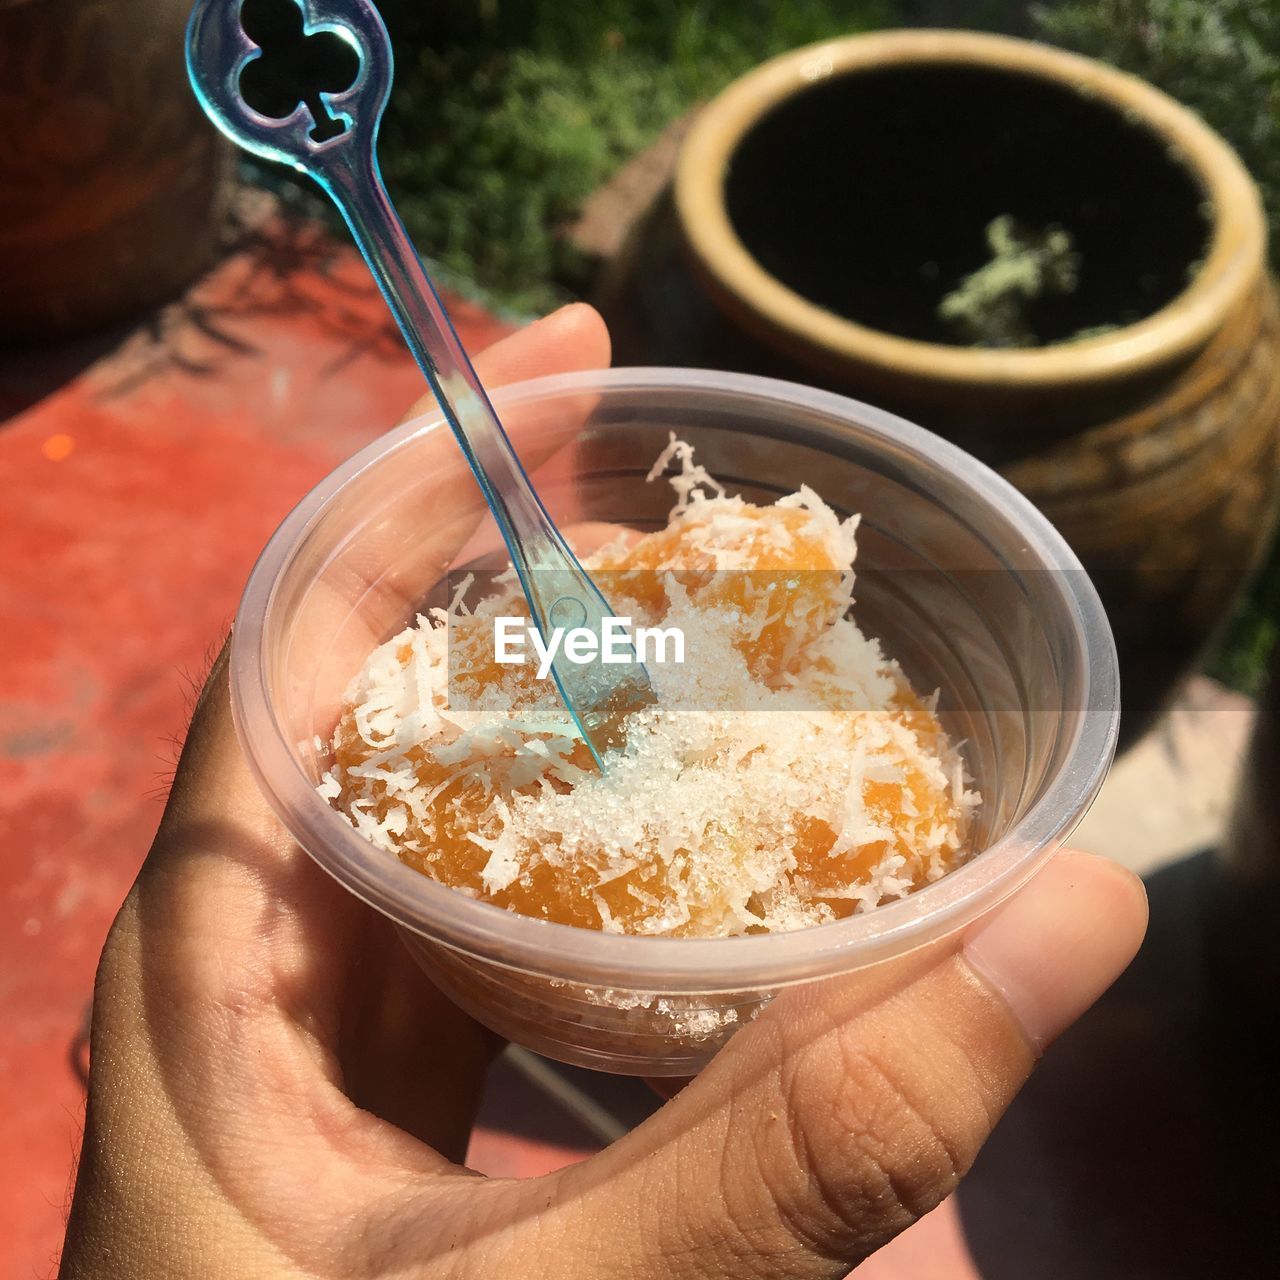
(403, 522)
(328, 633)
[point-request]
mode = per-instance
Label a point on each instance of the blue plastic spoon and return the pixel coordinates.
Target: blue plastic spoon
(332, 137)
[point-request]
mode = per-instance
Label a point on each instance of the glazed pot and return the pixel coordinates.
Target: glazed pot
(112, 183)
(824, 204)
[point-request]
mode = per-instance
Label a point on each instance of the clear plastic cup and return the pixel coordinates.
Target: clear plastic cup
(961, 579)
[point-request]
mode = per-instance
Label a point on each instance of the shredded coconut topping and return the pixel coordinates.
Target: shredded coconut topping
(786, 776)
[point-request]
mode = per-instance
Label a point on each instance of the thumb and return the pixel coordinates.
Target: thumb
(852, 1107)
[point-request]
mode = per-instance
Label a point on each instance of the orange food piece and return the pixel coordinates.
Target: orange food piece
(787, 586)
(791, 576)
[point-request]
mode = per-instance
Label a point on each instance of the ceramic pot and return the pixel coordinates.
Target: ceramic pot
(112, 182)
(824, 204)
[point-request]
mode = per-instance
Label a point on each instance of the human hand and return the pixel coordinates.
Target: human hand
(276, 1090)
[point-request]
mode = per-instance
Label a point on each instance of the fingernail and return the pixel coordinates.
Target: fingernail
(1060, 942)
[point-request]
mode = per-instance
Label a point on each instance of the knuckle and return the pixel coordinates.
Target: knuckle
(878, 1135)
(902, 1127)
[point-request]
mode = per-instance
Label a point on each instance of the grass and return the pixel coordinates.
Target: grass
(507, 115)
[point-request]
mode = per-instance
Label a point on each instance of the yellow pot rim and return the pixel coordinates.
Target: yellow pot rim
(1235, 257)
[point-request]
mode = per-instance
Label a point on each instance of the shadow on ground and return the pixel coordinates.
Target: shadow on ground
(1144, 1144)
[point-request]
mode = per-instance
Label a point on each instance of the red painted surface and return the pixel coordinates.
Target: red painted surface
(136, 489)
(136, 493)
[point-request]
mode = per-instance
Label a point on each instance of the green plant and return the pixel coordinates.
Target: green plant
(1219, 57)
(989, 306)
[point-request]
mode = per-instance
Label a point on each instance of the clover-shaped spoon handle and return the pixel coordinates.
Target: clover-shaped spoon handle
(345, 164)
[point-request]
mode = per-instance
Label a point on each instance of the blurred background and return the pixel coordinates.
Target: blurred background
(187, 343)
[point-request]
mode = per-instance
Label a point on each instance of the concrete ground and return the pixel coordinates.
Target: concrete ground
(142, 472)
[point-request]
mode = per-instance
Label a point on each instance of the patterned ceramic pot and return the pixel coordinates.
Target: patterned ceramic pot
(112, 182)
(826, 201)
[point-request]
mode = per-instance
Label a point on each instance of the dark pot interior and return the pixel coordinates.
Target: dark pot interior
(870, 194)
